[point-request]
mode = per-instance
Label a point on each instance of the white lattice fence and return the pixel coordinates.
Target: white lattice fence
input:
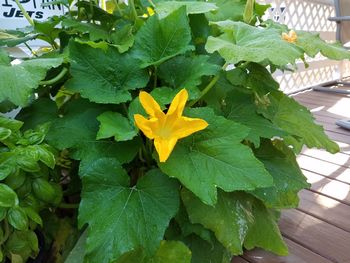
(308, 15)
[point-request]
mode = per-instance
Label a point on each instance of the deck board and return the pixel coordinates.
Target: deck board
(316, 235)
(298, 254)
(328, 169)
(325, 208)
(318, 231)
(328, 187)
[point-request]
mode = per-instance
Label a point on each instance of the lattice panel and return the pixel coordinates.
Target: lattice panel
(302, 15)
(302, 79)
(308, 15)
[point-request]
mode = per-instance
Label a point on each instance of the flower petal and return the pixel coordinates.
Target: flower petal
(145, 125)
(164, 147)
(186, 126)
(178, 104)
(150, 105)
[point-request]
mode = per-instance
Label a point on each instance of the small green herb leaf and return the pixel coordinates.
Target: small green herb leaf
(8, 197)
(18, 218)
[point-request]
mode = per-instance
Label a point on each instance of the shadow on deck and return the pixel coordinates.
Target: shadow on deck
(318, 231)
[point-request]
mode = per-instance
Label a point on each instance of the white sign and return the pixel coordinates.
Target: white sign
(11, 17)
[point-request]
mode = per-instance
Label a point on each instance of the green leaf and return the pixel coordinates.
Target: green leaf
(17, 218)
(186, 72)
(240, 107)
(76, 255)
(19, 81)
(33, 215)
(264, 233)
(313, 44)
(44, 190)
(3, 213)
(88, 152)
(16, 179)
(229, 219)
(248, 11)
(287, 176)
(77, 129)
(104, 77)
(23, 244)
(8, 197)
(253, 76)
(204, 252)
(125, 218)
(13, 38)
(40, 111)
(168, 252)
(242, 42)
(7, 164)
(4, 57)
(227, 9)
(214, 158)
(123, 38)
(163, 9)
(161, 39)
(236, 219)
(10, 124)
(96, 32)
(172, 252)
(297, 120)
(4, 133)
(78, 125)
(115, 124)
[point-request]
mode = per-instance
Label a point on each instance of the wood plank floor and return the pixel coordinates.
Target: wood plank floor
(318, 231)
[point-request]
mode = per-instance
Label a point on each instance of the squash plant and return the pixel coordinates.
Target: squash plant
(172, 141)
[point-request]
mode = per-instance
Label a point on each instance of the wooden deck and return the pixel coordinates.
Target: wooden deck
(318, 231)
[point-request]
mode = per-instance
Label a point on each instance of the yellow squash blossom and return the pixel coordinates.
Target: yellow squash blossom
(167, 128)
(291, 37)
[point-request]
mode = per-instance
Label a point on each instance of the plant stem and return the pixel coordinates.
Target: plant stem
(68, 206)
(151, 3)
(20, 6)
(206, 89)
(155, 77)
(117, 7)
(209, 86)
(55, 79)
(132, 5)
(30, 49)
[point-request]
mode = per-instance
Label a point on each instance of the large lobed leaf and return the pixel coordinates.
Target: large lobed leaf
(313, 44)
(126, 217)
(237, 219)
(287, 177)
(215, 158)
(242, 42)
(161, 39)
(104, 77)
(77, 130)
(240, 108)
(186, 72)
(192, 7)
(297, 120)
(20, 80)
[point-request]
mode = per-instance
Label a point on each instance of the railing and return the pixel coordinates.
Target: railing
(308, 15)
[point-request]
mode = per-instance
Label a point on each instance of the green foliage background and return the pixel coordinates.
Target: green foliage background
(75, 169)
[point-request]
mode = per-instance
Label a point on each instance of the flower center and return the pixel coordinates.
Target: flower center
(164, 132)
